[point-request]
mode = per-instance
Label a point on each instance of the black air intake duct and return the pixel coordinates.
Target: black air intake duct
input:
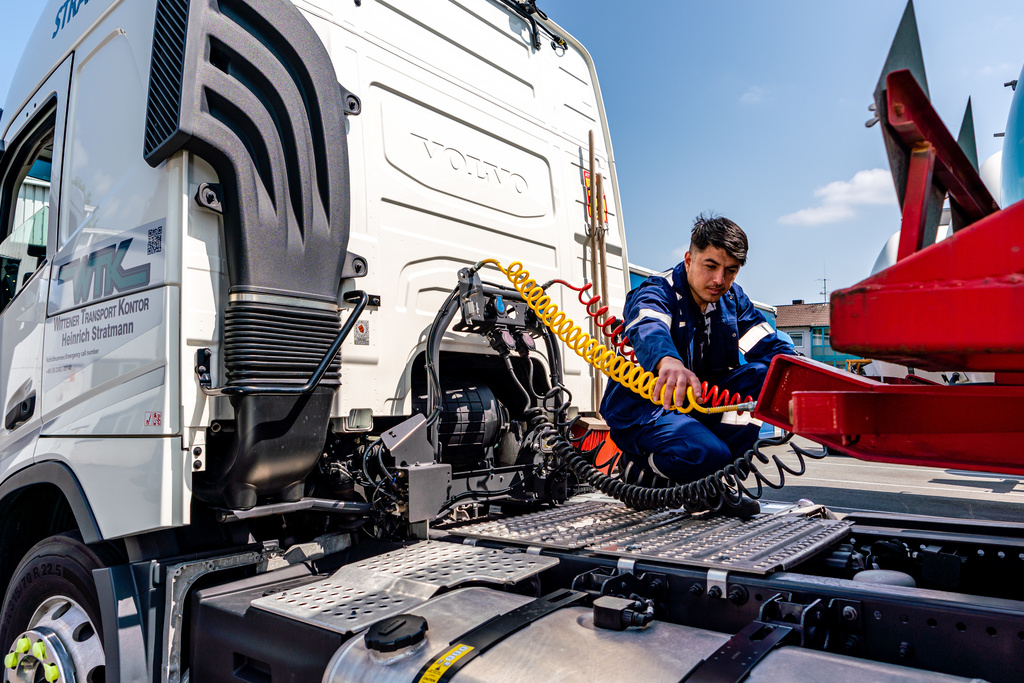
(248, 86)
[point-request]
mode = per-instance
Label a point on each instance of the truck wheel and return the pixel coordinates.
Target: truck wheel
(50, 625)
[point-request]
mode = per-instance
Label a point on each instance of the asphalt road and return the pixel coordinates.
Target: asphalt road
(845, 484)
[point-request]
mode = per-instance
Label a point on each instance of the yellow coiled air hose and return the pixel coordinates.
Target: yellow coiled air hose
(624, 371)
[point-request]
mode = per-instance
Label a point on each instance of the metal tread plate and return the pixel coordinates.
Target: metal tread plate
(577, 525)
(362, 593)
(759, 545)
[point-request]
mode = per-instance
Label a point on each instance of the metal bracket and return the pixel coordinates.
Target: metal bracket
(718, 583)
(408, 443)
(321, 546)
(355, 266)
(180, 578)
(210, 196)
(848, 618)
(604, 581)
(807, 621)
(315, 504)
(625, 565)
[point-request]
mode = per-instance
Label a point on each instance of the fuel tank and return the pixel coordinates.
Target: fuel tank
(566, 646)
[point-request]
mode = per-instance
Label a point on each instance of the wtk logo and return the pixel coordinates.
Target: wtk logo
(101, 270)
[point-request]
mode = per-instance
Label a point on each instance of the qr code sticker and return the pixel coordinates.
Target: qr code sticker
(156, 241)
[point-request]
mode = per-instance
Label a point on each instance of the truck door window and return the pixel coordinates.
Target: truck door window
(24, 207)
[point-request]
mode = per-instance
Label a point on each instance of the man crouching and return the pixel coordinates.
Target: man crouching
(689, 325)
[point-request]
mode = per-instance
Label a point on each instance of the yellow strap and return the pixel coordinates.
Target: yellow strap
(436, 670)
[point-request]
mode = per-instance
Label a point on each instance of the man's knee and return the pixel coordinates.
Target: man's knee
(677, 447)
(696, 458)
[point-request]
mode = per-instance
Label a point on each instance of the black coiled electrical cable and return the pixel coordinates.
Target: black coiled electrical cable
(722, 488)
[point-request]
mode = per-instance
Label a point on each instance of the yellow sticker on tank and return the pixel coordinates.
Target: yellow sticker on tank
(443, 663)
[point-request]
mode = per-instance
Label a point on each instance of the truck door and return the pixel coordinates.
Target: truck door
(29, 196)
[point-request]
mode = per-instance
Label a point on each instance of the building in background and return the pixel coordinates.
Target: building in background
(808, 327)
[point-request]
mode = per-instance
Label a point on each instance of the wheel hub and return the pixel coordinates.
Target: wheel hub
(60, 645)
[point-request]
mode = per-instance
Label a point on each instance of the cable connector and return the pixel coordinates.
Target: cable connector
(618, 614)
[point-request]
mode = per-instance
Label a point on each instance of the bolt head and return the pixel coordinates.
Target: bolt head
(22, 645)
(850, 613)
(197, 451)
(50, 672)
(197, 464)
(11, 660)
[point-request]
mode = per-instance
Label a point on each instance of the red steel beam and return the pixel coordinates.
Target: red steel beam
(955, 305)
(915, 120)
(973, 427)
(915, 201)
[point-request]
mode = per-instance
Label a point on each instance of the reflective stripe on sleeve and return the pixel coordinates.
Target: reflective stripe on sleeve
(651, 313)
(754, 335)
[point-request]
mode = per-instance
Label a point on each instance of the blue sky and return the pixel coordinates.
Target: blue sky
(756, 110)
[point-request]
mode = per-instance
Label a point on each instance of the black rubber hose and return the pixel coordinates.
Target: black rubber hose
(722, 488)
(445, 315)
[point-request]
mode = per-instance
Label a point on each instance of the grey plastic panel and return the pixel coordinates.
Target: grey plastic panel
(760, 545)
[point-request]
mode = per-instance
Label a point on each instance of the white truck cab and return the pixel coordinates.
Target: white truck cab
(470, 143)
(183, 177)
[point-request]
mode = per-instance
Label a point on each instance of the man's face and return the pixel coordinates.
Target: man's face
(709, 273)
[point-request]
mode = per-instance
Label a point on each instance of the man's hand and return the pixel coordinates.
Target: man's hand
(673, 376)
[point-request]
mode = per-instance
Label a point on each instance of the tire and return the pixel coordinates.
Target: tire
(53, 590)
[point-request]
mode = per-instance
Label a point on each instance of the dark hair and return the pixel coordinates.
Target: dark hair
(717, 231)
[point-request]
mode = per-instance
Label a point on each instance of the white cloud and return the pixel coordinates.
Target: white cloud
(840, 199)
(679, 252)
(1002, 68)
(755, 95)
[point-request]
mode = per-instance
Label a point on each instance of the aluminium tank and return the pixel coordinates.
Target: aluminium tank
(565, 646)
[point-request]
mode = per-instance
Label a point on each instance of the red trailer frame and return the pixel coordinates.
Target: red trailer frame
(957, 304)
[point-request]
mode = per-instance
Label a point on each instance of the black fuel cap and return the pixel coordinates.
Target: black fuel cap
(396, 632)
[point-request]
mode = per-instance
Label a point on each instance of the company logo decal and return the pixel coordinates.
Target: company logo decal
(65, 13)
(102, 272)
(481, 169)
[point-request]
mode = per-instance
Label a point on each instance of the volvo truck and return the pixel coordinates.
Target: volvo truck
(285, 395)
